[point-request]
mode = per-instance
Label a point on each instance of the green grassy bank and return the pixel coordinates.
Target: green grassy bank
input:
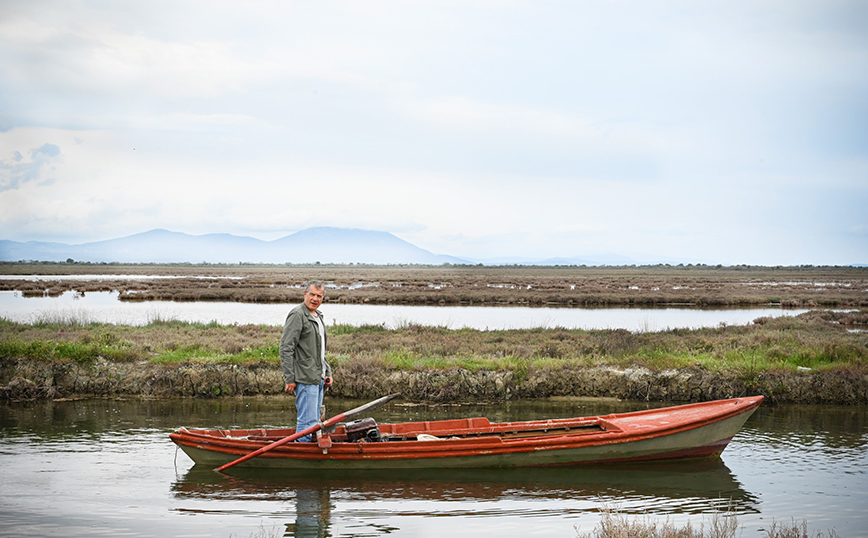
(816, 343)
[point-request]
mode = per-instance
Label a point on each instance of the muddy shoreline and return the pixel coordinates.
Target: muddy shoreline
(28, 379)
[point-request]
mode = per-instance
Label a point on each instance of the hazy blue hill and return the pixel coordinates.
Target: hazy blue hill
(32, 250)
(164, 246)
(325, 245)
(321, 244)
(341, 245)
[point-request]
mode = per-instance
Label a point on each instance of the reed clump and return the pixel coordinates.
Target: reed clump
(614, 524)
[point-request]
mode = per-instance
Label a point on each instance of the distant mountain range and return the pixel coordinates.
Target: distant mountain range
(324, 245)
(321, 244)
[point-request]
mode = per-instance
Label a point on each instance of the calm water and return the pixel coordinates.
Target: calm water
(104, 307)
(107, 468)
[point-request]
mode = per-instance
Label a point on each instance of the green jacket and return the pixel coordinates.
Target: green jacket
(300, 348)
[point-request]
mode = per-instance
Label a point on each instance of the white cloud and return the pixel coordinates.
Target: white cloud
(87, 54)
(16, 171)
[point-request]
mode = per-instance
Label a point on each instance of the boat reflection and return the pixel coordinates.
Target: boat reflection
(312, 514)
(690, 487)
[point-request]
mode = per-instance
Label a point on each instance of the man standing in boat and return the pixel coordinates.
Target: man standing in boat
(302, 356)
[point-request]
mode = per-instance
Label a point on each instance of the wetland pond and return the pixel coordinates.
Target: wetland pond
(108, 468)
(105, 307)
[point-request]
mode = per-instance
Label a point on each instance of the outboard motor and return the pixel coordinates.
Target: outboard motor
(363, 428)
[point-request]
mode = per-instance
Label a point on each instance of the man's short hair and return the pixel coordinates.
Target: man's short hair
(315, 283)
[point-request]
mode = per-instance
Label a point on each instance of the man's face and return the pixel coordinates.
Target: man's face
(313, 297)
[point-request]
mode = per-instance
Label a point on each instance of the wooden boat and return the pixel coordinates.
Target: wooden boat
(685, 431)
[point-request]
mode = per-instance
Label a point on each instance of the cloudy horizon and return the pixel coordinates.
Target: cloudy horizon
(719, 132)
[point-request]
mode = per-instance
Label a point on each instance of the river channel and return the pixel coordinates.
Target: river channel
(107, 468)
(105, 307)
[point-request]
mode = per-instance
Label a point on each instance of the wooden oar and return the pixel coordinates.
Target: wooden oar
(349, 415)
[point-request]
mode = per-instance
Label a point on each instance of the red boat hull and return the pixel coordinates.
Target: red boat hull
(686, 431)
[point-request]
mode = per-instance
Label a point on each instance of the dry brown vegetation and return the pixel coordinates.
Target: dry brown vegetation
(720, 525)
(697, 285)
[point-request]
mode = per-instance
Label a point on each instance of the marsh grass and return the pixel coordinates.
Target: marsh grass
(63, 317)
(796, 530)
(815, 340)
(84, 350)
(831, 287)
(617, 525)
(721, 524)
(340, 329)
(274, 532)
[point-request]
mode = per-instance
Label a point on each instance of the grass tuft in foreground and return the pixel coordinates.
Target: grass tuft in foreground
(722, 525)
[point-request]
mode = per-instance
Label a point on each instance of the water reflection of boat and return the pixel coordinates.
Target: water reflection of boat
(685, 431)
(685, 485)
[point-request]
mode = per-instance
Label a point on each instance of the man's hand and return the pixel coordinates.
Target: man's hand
(290, 387)
(328, 381)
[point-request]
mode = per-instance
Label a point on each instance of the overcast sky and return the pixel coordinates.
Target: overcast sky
(714, 131)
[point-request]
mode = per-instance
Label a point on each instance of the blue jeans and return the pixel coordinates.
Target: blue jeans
(308, 399)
